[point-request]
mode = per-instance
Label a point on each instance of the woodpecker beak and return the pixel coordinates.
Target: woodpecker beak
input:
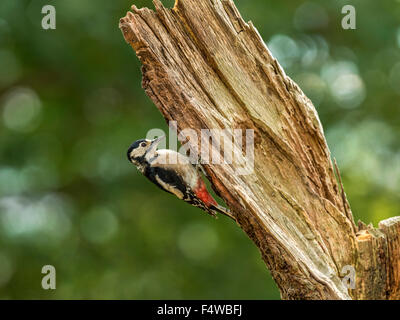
(154, 144)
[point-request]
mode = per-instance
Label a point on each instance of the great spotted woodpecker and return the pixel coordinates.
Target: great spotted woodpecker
(173, 173)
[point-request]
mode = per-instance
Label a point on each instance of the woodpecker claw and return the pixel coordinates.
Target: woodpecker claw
(224, 211)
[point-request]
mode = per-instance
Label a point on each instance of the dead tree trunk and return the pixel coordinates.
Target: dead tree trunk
(204, 67)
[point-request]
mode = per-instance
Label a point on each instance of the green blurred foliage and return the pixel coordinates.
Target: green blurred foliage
(71, 103)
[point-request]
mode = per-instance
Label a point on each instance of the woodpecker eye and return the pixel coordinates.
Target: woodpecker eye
(143, 144)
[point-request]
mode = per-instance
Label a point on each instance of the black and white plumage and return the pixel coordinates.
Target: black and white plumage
(173, 173)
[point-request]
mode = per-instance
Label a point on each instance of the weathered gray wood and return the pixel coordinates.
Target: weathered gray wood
(204, 67)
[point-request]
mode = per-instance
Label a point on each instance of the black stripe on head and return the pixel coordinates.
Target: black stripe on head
(133, 147)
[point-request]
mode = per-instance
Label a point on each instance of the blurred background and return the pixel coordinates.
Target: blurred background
(71, 103)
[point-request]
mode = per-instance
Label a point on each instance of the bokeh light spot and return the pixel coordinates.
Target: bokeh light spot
(284, 49)
(346, 86)
(21, 110)
(364, 151)
(41, 219)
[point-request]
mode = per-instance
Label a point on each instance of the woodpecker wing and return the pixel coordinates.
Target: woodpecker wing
(167, 180)
(171, 181)
(181, 178)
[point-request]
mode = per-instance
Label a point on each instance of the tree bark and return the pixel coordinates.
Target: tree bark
(204, 67)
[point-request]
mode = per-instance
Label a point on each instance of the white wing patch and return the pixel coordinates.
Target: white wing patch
(170, 188)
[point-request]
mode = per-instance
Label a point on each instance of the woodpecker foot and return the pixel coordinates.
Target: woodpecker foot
(224, 211)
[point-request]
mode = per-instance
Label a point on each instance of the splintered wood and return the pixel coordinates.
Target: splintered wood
(206, 68)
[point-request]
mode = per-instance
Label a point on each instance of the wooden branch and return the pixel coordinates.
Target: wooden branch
(204, 67)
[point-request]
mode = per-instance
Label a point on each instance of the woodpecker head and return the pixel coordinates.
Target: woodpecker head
(141, 151)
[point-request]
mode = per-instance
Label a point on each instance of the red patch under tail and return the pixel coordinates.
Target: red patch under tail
(203, 194)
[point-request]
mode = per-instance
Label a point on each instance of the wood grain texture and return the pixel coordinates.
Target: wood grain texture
(204, 67)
